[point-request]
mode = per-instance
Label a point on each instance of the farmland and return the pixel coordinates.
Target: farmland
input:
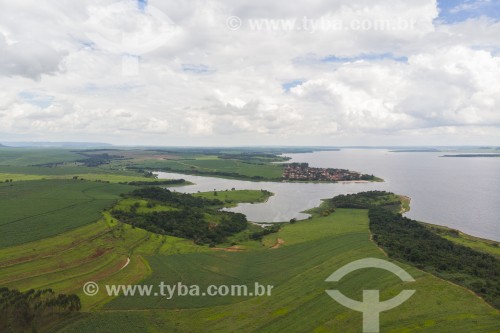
(214, 166)
(128, 165)
(96, 250)
(33, 210)
(310, 252)
(69, 172)
(58, 231)
(36, 156)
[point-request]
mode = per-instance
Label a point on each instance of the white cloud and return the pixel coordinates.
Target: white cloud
(207, 84)
(28, 58)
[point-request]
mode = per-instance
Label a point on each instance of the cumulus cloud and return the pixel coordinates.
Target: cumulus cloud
(28, 58)
(208, 83)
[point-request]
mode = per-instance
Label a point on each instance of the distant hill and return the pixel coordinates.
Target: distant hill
(473, 155)
(57, 144)
(423, 150)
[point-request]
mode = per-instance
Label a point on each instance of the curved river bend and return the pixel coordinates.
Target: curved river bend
(461, 193)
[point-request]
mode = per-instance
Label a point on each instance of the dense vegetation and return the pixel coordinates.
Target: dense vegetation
(94, 160)
(157, 182)
(367, 200)
(195, 218)
(27, 311)
(233, 197)
(265, 231)
(407, 240)
(175, 199)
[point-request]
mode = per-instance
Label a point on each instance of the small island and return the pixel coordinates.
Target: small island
(473, 155)
(303, 172)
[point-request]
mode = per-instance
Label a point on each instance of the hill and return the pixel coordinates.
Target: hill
(296, 261)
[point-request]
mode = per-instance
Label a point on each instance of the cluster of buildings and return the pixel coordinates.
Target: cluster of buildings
(302, 171)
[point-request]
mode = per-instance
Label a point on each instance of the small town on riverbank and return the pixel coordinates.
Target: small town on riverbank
(302, 171)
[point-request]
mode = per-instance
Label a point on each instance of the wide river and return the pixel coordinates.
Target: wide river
(462, 193)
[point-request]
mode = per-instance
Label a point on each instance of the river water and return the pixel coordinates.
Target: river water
(462, 193)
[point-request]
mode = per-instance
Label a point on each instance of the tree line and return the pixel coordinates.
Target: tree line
(367, 200)
(21, 311)
(155, 182)
(407, 240)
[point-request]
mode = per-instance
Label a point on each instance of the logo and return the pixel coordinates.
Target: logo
(91, 288)
(233, 23)
(371, 306)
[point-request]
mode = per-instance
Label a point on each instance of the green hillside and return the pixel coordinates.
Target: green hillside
(71, 250)
(311, 250)
(33, 210)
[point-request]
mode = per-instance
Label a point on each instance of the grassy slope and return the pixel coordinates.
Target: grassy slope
(33, 210)
(95, 252)
(312, 250)
(211, 164)
(232, 198)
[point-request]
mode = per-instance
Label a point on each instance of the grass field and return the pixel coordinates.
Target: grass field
(211, 165)
(36, 156)
(68, 172)
(33, 210)
(311, 250)
(95, 252)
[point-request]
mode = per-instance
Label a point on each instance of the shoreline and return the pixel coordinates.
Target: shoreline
(406, 207)
(491, 246)
(270, 180)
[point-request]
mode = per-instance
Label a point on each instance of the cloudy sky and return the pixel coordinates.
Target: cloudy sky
(259, 72)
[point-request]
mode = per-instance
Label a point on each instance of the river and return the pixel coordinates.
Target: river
(461, 193)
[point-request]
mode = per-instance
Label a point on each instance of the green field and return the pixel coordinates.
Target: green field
(68, 172)
(214, 166)
(33, 210)
(36, 156)
(57, 233)
(232, 197)
(125, 165)
(128, 165)
(96, 251)
(310, 251)
(19, 164)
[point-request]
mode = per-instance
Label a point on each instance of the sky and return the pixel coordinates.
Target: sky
(260, 72)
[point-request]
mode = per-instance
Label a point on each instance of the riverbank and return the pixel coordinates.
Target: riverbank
(458, 237)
